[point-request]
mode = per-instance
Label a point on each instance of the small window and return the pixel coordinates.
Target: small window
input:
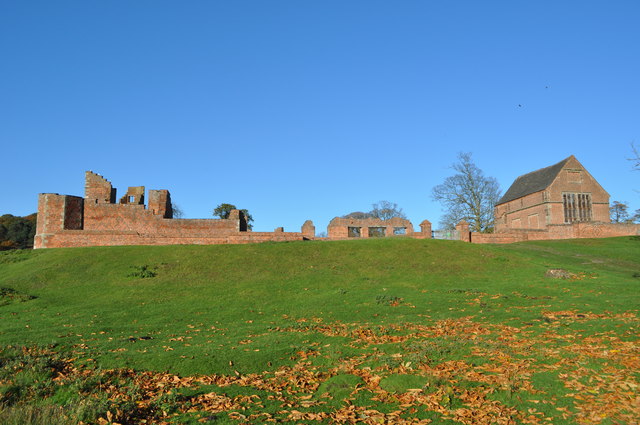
(132, 198)
(399, 230)
(353, 232)
(377, 232)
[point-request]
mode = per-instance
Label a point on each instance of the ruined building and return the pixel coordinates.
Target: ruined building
(342, 228)
(96, 219)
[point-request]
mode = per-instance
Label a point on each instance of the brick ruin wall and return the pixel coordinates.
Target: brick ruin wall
(96, 220)
(339, 227)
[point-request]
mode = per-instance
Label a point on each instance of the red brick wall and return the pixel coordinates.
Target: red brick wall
(338, 227)
(68, 221)
(50, 217)
(523, 213)
(308, 229)
(56, 213)
(135, 218)
(97, 189)
(78, 238)
(559, 231)
(160, 203)
(73, 213)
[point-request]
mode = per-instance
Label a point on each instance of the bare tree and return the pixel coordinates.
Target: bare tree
(385, 210)
(177, 211)
(468, 195)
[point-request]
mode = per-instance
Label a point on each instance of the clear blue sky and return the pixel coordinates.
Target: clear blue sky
(310, 109)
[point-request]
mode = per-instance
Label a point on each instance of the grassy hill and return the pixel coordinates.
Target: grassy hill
(322, 332)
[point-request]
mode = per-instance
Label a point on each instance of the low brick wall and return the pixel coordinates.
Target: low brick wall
(560, 231)
(77, 238)
(338, 227)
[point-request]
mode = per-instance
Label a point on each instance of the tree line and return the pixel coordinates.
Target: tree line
(17, 232)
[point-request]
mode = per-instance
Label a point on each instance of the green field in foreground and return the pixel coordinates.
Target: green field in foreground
(367, 331)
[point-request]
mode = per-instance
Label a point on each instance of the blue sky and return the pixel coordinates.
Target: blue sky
(302, 110)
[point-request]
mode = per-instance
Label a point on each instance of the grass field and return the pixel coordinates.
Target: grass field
(367, 331)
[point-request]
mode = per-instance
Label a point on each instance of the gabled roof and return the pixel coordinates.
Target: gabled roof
(532, 182)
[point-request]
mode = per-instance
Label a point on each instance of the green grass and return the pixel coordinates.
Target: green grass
(363, 330)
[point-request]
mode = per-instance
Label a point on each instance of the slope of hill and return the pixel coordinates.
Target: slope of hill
(323, 332)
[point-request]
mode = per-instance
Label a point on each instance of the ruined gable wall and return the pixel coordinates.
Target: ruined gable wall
(97, 189)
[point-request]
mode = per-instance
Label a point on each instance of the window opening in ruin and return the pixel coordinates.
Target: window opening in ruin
(577, 207)
(132, 199)
(377, 232)
(353, 232)
(399, 230)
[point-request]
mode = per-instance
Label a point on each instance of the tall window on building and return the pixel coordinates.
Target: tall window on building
(577, 207)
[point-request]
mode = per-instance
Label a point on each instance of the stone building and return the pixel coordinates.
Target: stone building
(96, 219)
(563, 193)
